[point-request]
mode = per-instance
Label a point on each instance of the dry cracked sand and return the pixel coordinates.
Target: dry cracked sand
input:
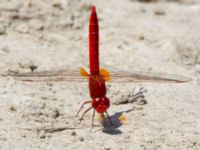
(160, 36)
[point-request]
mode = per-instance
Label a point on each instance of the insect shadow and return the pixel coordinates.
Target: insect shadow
(112, 124)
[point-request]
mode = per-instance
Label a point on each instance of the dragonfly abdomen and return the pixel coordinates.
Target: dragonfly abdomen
(94, 43)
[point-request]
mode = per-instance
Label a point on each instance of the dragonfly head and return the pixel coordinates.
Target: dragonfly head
(101, 104)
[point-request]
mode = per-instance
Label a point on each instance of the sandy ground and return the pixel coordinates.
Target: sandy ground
(155, 36)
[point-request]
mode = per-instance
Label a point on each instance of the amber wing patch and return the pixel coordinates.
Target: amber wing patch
(83, 72)
(105, 73)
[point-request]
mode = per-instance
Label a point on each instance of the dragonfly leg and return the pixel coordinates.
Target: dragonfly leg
(111, 123)
(93, 118)
(82, 107)
(85, 113)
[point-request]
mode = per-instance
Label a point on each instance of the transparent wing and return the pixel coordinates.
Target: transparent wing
(124, 76)
(115, 76)
(50, 75)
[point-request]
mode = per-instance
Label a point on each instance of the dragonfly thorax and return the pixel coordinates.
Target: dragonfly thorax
(97, 86)
(101, 104)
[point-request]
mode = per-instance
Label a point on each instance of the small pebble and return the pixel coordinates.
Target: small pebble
(194, 143)
(23, 135)
(36, 24)
(73, 133)
(22, 28)
(33, 67)
(81, 139)
(12, 108)
(53, 113)
(28, 65)
(159, 12)
(42, 134)
(141, 38)
(44, 97)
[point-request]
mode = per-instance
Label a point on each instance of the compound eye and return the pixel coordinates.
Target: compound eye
(101, 104)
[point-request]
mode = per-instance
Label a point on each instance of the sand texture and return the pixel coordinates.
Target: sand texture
(158, 36)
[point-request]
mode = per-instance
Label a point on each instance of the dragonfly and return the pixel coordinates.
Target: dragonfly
(97, 77)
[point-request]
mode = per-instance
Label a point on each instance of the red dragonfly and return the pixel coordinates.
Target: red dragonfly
(97, 77)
